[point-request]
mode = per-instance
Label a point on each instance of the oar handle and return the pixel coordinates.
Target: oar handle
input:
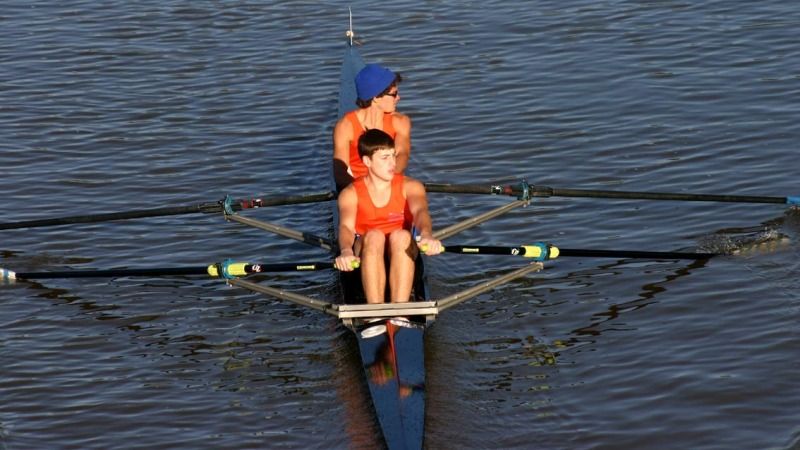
(539, 251)
(230, 269)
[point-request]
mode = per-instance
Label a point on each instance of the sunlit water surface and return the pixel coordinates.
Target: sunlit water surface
(116, 105)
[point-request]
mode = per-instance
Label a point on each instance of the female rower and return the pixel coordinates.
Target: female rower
(377, 91)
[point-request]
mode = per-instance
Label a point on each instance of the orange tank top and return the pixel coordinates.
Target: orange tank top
(394, 216)
(357, 166)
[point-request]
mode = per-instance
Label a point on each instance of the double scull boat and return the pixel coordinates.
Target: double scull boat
(390, 336)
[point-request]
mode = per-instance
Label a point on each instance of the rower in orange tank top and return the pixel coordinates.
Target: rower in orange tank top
(381, 207)
(377, 93)
(392, 216)
(357, 167)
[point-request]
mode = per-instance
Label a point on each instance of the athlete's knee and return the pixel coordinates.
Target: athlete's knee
(374, 240)
(400, 238)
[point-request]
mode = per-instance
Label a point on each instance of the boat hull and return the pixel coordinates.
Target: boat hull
(394, 365)
(393, 360)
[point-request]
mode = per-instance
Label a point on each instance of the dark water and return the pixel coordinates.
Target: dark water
(110, 106)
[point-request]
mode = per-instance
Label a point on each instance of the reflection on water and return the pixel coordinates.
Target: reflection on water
(361, 425)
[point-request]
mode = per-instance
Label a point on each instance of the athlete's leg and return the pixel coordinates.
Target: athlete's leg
(402, 252)
(373, 268)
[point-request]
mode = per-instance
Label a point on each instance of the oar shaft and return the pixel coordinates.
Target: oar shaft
(207, 207)
(468, 189)
(623, 254)
(485, 250)
(557, 192)
(234, 269)
(543, 251)
(105, 273)
(522, 190)
(106, 217)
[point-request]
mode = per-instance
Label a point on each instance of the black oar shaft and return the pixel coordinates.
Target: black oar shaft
(176, 271)
(208, 207)
(633, 254)
(106, 217)
(536, 251)
(485, 250)
(468, 189)
(155, 271)
(556, 192)
(522, 190)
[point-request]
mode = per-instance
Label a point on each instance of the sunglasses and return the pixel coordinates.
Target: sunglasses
(392, 94)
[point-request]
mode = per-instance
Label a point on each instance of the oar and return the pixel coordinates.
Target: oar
(541, 251)
(207, 207)
(525, 191)
(226, 269)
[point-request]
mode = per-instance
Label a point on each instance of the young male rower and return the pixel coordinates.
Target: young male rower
(376, 88)
(376, 214)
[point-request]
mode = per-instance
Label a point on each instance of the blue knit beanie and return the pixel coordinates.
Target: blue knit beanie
(372, 80)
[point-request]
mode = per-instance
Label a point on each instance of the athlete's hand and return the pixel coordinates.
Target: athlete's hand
(430, 246)
(346, 261)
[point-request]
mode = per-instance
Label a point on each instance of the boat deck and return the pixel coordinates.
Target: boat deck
(393, 359)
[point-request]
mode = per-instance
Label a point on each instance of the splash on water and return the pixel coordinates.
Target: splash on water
(745, 241)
